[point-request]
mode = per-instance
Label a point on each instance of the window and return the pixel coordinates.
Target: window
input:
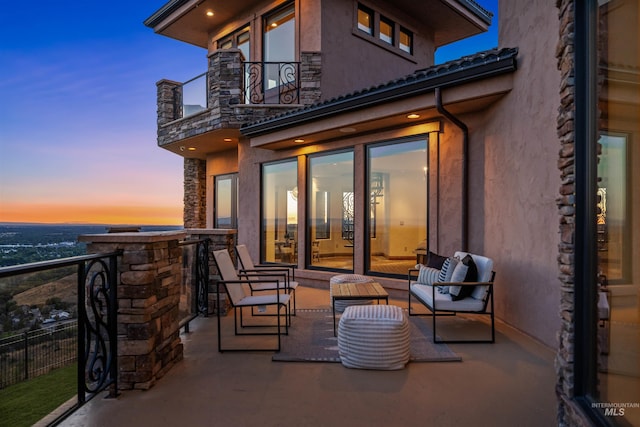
(386, 30)
(280, 211)
(607, 344)
(397, 221)
(225, 210)
(323, 221)
(279, 36)
(330, 190)
(406, 41)
(279, 47)
(239, 40)
(365, 20)
(370, 25)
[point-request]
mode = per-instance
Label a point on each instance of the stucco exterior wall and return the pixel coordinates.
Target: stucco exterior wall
(521, 177)
(352, 63)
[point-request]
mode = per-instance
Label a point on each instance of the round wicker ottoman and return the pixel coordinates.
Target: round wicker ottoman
(349, 278)
(374, 337)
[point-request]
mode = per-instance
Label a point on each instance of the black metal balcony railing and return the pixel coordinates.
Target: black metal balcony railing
(96, 343)
(190, 97)
(271, 82)
(195, 280)
(91, 339)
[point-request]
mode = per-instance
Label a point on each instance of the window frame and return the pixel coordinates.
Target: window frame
(392, 27)
(233, 37)
(233, 177)
(277, 227)
(375, 36)
(586, 257)
(310, 218)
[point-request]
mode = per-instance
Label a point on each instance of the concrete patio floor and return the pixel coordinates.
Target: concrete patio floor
(509, 383)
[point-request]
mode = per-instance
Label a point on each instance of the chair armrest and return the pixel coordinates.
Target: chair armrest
(270, 272)
(277, 264)
(413, 273)
(292, 267)
(463, 284)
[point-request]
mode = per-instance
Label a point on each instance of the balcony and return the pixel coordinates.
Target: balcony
(508, 383)
(205, 113)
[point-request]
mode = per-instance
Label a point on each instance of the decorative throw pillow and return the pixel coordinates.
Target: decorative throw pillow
(427, 275)
(445, 274)
(465, 271)
(435, 261)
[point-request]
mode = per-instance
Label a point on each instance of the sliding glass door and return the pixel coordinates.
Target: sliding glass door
(397, 198)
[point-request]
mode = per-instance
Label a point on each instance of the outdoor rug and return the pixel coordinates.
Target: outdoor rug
(311, 339)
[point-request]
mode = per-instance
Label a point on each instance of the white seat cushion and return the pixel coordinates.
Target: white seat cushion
(443, 301)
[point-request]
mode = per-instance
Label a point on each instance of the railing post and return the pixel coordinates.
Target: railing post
(113, 324)
(26, 356)
(82, 314)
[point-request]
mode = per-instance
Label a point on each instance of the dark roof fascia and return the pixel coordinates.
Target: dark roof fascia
(164, 12)
(413, 85)
(478, 10)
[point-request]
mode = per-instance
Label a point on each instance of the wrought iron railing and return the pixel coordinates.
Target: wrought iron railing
(271, 83)
(96, 344)
(194, 296)
(190, 97)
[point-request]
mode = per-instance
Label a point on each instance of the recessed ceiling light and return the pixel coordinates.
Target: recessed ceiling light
(209, 13)
(413, 116)
(227, 140)
(191, 148)
(299, 140)
(347, 130)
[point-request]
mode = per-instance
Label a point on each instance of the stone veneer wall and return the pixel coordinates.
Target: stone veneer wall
(568, 412)
(225, 111)
(310, 74)
(195, 193)
(149, 290)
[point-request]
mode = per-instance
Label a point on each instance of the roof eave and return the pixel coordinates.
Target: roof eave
(389, 93)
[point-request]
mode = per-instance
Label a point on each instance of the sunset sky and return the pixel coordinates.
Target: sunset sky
(78, 111)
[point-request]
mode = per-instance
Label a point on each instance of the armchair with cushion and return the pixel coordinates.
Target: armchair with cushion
(240, 297)
(463, 284)
(286, 270)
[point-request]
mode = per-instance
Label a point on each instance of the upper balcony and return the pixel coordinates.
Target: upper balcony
(204, 114)
(193, 21)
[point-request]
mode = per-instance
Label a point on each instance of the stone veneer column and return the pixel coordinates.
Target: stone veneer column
(568, 412)
(195, 193)
(166, 101)
(149, 273)
(310, 74)
(225, 75)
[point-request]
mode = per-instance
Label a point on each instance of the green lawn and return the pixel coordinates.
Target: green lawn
(26, 403)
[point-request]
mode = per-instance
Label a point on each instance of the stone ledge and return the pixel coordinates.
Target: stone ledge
(133, 237)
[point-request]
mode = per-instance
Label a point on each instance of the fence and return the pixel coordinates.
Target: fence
(94, 345)
(35, 353)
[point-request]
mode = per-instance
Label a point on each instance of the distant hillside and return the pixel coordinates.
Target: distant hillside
(66, 289)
